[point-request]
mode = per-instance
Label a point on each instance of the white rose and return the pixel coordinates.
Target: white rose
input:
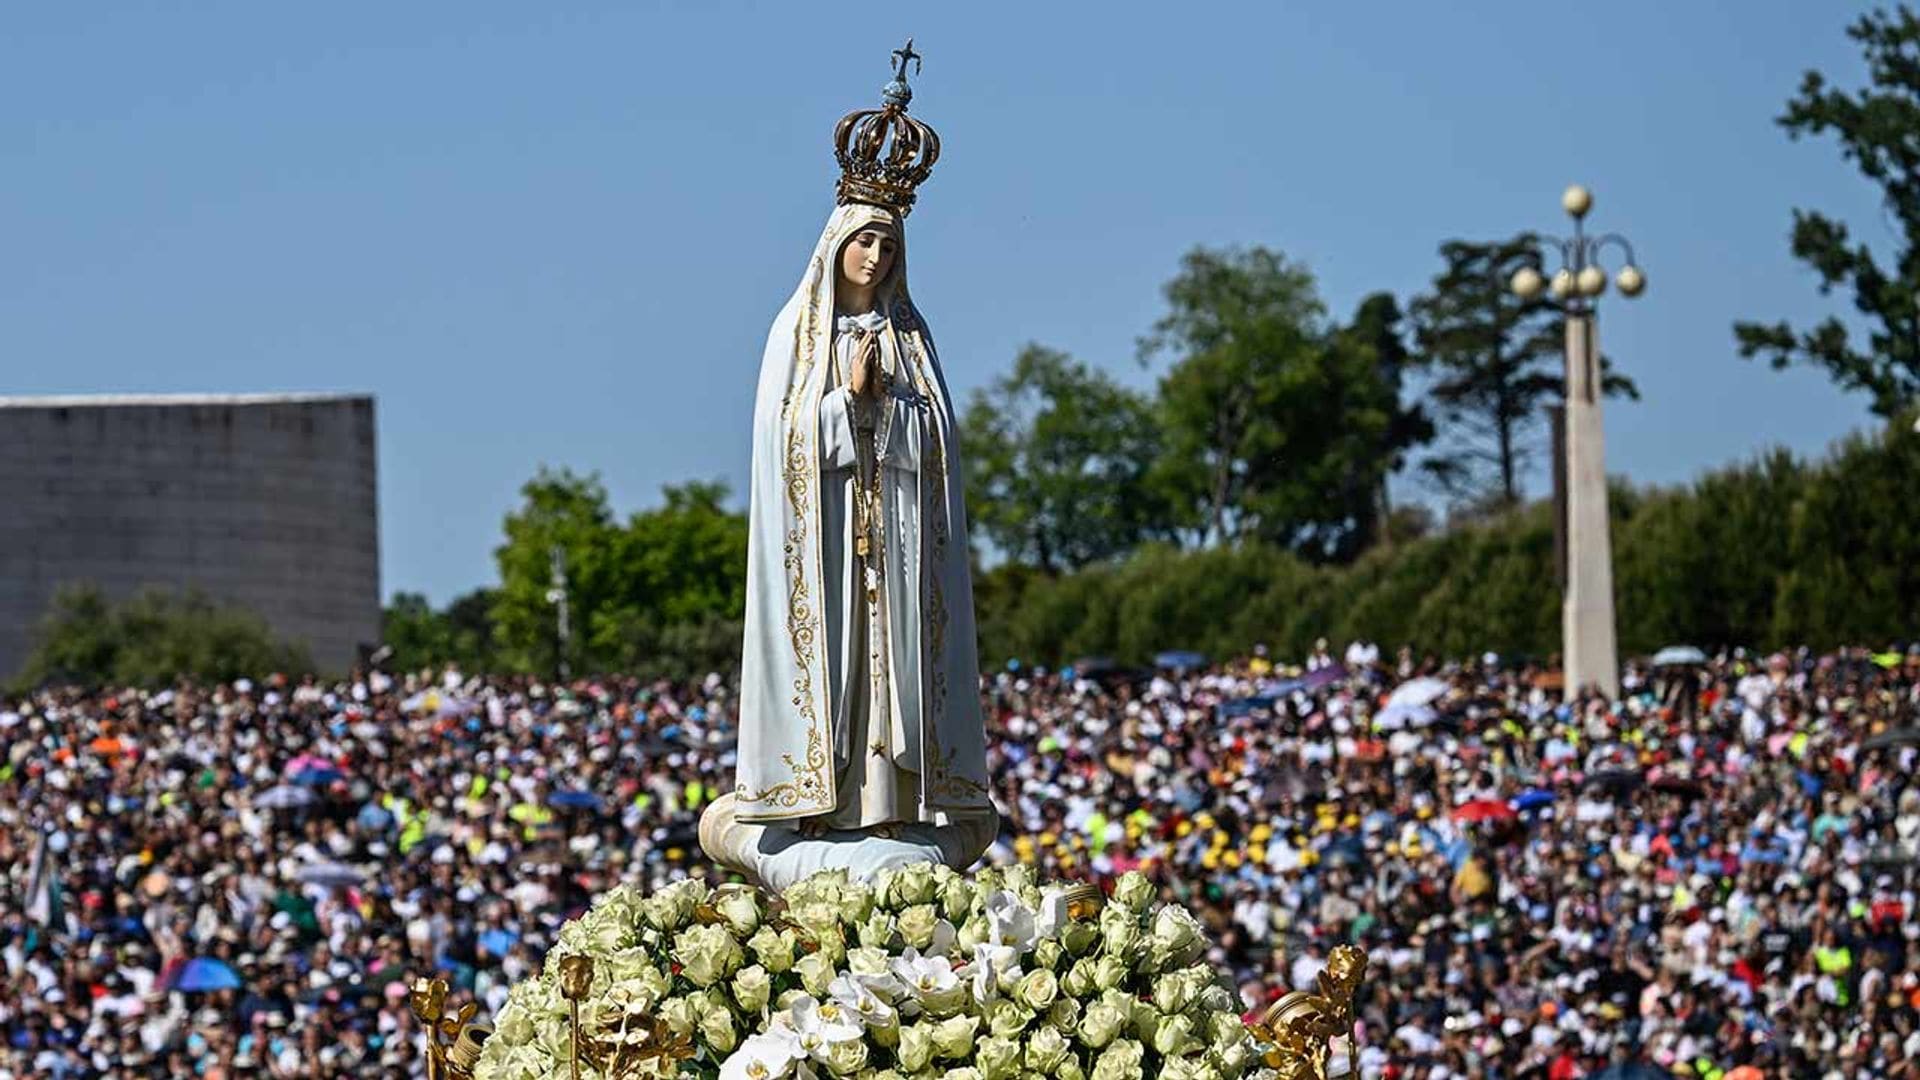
(707, 954)
(1177, 932)
(751, 988)
(741, 909)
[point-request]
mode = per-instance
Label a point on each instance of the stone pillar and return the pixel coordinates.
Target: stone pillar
(1586, 613)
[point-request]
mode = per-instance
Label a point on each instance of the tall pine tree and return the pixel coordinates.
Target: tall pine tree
(1495, 359)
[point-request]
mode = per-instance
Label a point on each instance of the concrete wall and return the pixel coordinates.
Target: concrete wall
(265, 501)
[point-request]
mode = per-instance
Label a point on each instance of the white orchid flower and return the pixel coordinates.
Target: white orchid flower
(924, 977)
(1010, 922)
(992, 965)
(886, 986)
(818, 1026)
(768, 1055)
(857, 1000)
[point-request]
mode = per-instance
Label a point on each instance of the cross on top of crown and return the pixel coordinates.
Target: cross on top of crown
(900, 58)
(897, 92)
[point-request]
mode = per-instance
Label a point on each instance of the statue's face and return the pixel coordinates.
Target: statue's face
(867, 258)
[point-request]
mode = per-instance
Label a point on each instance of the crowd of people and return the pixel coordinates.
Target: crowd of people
(1709, 874)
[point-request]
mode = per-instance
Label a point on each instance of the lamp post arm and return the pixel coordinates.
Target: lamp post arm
(1617, 240)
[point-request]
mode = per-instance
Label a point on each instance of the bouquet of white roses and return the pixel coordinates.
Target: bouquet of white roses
(922, 973)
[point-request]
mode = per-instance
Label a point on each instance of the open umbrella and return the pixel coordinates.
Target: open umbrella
(318, 775)
(574, 800)
(497, 941)
(1180, 660)
(1348, 852)
(1324, 676)
(1678, 655)
(204, 973)
(1483, 810)
(106, 746)
(1532, 799)
(1092, 667)
(285, 797)
(1422, 691)
(1686, 787)
(307, 761)
(330, 873)
(1617, 781)
(1395, 717)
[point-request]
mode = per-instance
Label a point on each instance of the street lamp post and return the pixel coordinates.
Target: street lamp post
(557, 596)
(1589, 654)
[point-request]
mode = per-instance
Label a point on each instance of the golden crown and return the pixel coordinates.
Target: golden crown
(884, 154)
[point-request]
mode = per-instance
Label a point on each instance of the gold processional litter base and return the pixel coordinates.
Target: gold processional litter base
(1297, 1031)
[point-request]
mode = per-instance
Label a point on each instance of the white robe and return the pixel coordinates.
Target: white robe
(863, 711)
(876, 753)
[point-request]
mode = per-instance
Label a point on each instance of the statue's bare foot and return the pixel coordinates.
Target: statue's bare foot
(813, 828)
(888, 831)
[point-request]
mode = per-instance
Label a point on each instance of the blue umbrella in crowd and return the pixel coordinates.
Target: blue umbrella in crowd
(1325, 676)
(1180, 660)
(284, 797)
(574, 800)
(1245, 706)
(330, 873)
(203, 974)
(1532, 799)
(318, 775)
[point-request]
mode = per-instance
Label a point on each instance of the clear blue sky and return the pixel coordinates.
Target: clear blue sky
(556, 233)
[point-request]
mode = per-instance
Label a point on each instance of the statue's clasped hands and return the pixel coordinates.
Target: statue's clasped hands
(866, 377)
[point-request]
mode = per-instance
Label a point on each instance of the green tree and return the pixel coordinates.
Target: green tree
(418, 635)
(1377, 330)
(1772, 553)
(1057, 456)
(462, 634)
(1495, 359)
(1275, 428)
(153, 638)
(569, 513)
(1876, 128)
(670, 582)
(683, 574)
(473, 639)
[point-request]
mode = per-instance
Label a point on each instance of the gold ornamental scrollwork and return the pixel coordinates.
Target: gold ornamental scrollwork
(1300, 1027)
(810, 791)
(453, 1041)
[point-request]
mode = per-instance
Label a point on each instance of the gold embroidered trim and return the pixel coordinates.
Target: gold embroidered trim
(944, 781)
(812, 783)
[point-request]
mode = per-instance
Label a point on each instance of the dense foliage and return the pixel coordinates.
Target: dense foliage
(1769, 552)
(151, 639)
(663, 592)
(1057, 455)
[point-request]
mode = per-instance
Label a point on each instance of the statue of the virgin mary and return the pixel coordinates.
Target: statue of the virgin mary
(859, 711)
